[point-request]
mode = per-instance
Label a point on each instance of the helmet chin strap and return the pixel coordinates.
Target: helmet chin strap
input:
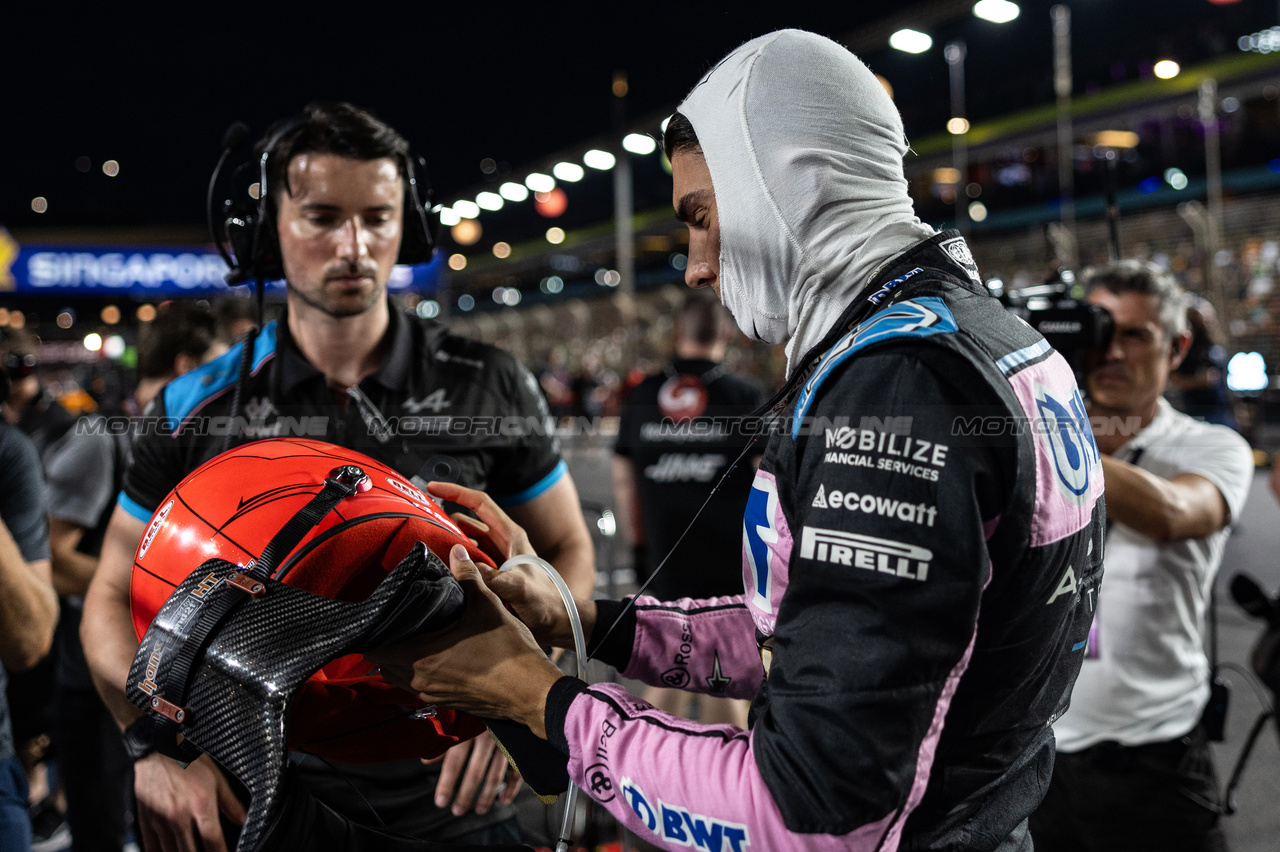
(341, 483)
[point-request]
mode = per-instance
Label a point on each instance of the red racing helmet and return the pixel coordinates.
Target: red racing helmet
(235, 504)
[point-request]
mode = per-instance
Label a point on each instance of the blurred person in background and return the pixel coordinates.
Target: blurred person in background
(1198, 385)
(28, 607)
(664, 468)
(236, 317)
(343, 356)
(183, 336)
(35, 410)
(1134, 770)
(84, 470)
(31, 406)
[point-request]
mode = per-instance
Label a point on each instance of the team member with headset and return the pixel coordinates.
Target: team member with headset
(905, 663)
(341, 201)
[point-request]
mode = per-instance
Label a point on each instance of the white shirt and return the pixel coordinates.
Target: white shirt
(1146, 677)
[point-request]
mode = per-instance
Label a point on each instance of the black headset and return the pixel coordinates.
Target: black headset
(245, 231)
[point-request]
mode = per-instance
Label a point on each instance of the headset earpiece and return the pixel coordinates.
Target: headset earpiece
(418, 242)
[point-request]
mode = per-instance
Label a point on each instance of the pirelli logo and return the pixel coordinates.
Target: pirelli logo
(863, 551)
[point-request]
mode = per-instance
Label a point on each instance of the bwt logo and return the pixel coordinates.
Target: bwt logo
(680, 827)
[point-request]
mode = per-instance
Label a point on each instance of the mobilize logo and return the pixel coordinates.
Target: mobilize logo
(889, 444)
(863, 551)
(680, 827)
(870, 504)
(888, 451)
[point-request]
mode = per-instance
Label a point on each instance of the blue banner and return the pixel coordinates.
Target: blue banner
(148, 271)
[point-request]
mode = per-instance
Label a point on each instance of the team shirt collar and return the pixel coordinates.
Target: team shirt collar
(393, 374)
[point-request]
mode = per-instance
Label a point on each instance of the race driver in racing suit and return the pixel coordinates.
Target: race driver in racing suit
(923, 541)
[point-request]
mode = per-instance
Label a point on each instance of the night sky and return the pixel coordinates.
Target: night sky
(154, 89)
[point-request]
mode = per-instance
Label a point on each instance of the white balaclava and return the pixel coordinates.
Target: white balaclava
(805, 151)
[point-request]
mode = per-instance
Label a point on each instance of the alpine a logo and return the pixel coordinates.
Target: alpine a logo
(156, 523)
(1070, 442)
(682, 398)
(863, 551)
(913, 318)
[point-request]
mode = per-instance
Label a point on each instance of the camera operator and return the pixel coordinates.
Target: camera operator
(1133, 768)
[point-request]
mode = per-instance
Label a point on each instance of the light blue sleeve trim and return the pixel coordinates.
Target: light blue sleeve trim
(913, 318)
(133, 507)
(186, 393)
(1022, 356)
(535, 489)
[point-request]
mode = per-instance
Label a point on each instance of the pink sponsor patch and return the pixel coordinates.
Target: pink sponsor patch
(1068, 466)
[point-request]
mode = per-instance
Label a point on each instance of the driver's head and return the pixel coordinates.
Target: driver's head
(787, 165)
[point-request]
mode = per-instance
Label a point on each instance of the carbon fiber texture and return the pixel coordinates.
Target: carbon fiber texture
(240, 688)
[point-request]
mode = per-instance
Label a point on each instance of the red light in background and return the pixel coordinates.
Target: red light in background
(550, 204)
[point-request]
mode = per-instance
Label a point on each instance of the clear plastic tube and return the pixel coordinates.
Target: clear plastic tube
(580, 650)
